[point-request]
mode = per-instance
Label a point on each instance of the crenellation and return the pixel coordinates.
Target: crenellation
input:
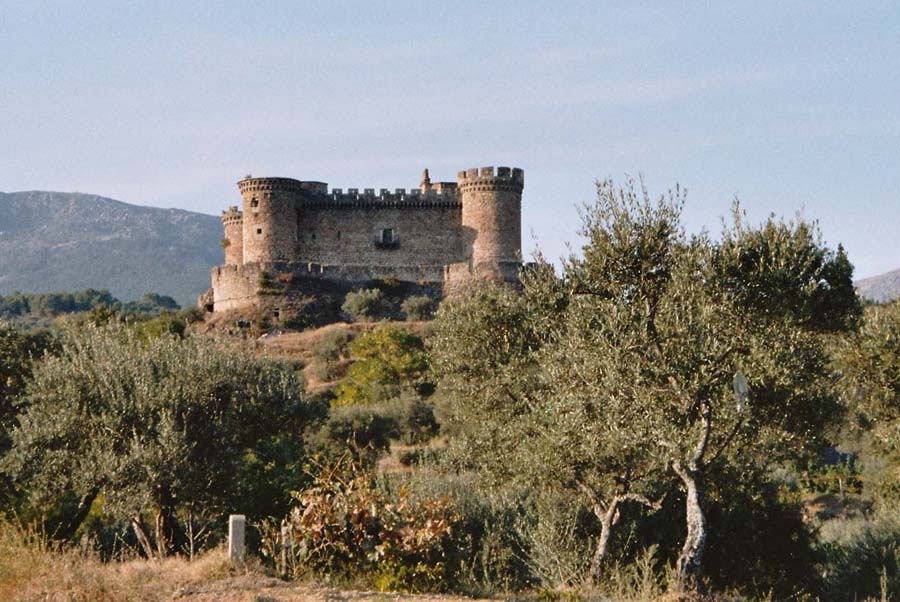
(440, 233)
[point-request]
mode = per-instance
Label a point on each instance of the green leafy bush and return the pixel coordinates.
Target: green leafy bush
(328, 352)
(365, 305)
(418, 307)
(387, 360)
(366, 430)
(159, 427)
(863, 557)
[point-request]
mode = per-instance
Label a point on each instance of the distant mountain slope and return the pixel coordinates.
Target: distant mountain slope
(881, 288)
(54, 241)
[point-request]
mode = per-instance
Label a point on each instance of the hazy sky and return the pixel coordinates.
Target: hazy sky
(787, 105)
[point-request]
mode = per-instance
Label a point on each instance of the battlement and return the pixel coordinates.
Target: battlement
(295, 232)
(250, 184)
(232, 216)
(398, 198)
(486, 178)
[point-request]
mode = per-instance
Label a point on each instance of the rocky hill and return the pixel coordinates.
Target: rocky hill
(882, 288)
(54, 241)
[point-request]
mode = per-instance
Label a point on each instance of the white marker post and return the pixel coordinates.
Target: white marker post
(236, 528)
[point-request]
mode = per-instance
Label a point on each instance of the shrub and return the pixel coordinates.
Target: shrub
(418, 307)
(365, 430)
(345, 522)
(365, 305)
(328, 352)
(162, 427)
(416, 419)
(485, 552)
(388, 360)
(863, 557)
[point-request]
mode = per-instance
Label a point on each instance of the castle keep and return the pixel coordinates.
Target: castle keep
(438, 236)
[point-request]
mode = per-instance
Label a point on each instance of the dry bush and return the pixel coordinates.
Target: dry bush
(345, 524)
(32, 567)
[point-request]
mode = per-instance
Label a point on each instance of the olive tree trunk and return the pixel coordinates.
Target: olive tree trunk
(140, 531)
(688, 566)
(608, 518)
(607, 514)
(695, 541)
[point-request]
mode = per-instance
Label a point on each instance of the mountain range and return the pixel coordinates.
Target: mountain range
(882, 288)
(67, 241)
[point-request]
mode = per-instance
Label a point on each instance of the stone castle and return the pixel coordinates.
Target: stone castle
(437, 236)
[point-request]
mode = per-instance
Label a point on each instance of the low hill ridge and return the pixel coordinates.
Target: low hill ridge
(881, 288)
(54, 241)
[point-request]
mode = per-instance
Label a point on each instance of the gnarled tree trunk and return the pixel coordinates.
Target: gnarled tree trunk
(608, 517)
(164, 533)
(688, 565)
(68, 528)
(140, 531)
(695, 541)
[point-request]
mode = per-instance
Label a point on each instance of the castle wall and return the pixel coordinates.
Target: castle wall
(270, 208)
(441, 234)
(234, 236)
(235, 286)
(492, 208)
(425, 237)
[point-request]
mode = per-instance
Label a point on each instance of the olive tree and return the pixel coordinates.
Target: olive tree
(160, 426)
(869, 368)
(18, 353)
(654, 355)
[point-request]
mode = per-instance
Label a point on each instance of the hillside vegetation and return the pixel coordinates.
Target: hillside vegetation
(54, 241)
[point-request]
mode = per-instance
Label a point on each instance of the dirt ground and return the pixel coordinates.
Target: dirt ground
(257, 588)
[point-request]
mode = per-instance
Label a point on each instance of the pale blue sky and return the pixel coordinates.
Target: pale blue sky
(788, 105)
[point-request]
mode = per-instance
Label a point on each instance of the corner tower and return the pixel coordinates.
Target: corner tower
(492, 213)
(232, 223)
(271, 210)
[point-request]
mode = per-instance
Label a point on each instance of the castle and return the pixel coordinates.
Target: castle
(437, 236)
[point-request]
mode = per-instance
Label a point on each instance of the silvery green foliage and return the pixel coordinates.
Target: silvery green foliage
(869, 368)
(615, 379)
(154, 426)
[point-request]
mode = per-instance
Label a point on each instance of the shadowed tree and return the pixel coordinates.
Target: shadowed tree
(157, 426)
(869, 368)
(655, 353)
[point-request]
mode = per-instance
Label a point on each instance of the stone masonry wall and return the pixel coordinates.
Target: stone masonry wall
(424, 236)
(440, 234)
(235, 286)
(232, 222)
(492, 209)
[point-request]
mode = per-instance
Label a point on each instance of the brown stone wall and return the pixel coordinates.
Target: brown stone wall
(492, 210)
(270, 218)
(428, 237)
(232, 223)
(443, 234)
(235, 286)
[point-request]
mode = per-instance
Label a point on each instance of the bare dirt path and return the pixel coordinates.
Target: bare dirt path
(256, 588)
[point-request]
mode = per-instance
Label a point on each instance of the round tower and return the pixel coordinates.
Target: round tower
(232, 222)
(270, 216)
(492, 212)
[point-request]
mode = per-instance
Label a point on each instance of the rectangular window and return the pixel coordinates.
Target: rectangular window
(387, 238)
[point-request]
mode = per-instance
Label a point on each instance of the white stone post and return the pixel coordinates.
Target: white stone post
(236, 527)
